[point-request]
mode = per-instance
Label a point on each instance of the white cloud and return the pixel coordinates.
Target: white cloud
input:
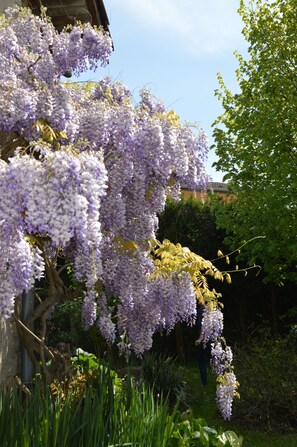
(199, 26)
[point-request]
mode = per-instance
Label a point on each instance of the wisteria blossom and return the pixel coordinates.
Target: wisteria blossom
(227, 385)
(84, 180)
(212, 325)
(225, 393)
(89, 177)
(221, 356)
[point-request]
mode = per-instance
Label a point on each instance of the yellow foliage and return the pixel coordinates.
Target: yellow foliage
(172, 258)
(47, 133)
(173, 118)
(218, 275)
(125, 245)
(228, 278)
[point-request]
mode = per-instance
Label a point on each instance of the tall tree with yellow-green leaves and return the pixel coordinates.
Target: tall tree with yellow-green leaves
(256, 138)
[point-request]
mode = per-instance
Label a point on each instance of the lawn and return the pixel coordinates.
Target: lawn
(202, 402)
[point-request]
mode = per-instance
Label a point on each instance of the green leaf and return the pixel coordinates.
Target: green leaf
(229, 439)
(255, 138)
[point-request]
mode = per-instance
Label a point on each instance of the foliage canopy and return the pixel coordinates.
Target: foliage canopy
(255, 138)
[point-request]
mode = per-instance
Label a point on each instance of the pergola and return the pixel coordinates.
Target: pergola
(65, 12)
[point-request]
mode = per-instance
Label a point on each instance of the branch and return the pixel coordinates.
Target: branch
(34, 336)
(244, 270)
(61, 269)
(43, 348)
(32, 65)
(237, 250)
(40, 309)
(22, 386)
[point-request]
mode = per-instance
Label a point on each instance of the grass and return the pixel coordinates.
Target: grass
(202, 402)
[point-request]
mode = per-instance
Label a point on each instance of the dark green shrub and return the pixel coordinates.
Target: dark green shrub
(65, 325)
(266, 369)
(163, 376)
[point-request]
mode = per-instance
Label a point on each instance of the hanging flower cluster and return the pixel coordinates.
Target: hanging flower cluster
(212, 325)
(221, 362)
(175, 261)
(221, 359)
(91, 174)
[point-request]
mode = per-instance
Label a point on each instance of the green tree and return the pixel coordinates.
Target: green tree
(255, 138)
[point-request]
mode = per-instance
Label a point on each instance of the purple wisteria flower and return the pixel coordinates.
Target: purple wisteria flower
(33, 55)
(225, 393)
(89, 310)
(212, 325)
(93, 172)
(87, 184)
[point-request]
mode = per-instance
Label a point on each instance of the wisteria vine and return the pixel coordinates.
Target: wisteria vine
(84, 173)
(221, 359)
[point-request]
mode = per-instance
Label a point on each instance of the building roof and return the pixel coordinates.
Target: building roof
(202, 194)
(217, 187)
(64, 12)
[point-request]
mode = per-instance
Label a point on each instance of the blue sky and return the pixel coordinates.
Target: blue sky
(176, 48)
